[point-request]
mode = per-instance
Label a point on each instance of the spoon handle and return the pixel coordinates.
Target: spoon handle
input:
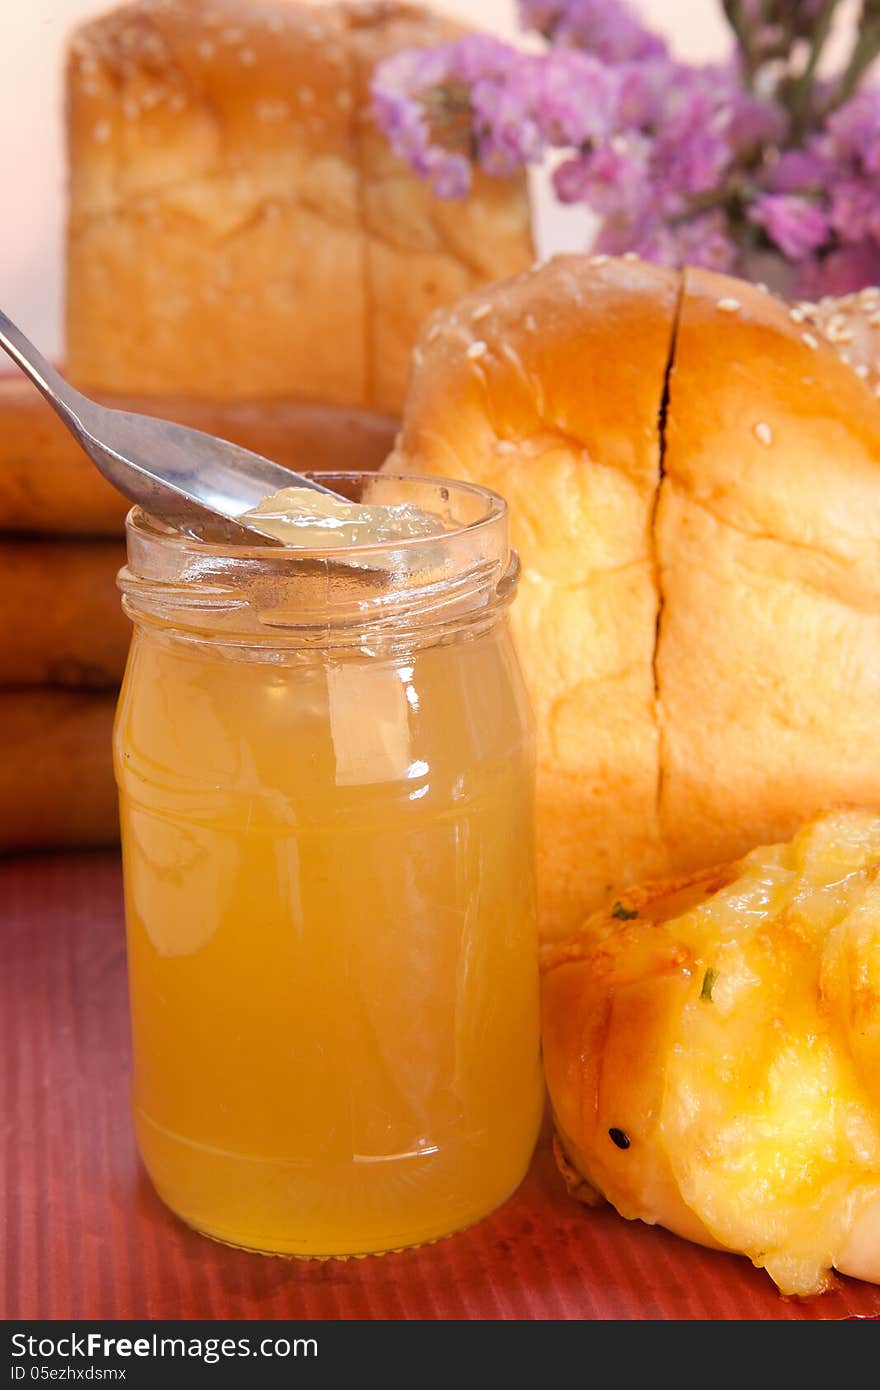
(59, 393)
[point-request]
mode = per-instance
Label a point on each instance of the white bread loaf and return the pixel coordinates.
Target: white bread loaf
(237, 227)
(694, 482)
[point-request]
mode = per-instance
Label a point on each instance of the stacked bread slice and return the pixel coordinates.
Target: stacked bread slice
(63, 637)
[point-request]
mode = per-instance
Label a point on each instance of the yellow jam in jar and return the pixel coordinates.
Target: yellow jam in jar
(301, 516)
(325, 777)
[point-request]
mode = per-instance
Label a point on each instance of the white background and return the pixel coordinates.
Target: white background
(33, 34)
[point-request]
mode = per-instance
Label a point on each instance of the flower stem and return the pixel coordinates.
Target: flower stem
(740, 24)
(865, 51)
(801, 91)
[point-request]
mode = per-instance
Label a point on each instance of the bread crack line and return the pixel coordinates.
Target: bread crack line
(662, 416)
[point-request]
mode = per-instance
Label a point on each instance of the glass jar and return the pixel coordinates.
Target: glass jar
(325, 771)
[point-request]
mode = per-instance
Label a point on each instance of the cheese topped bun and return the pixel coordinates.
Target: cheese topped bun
(712, 1053)
(693, 473)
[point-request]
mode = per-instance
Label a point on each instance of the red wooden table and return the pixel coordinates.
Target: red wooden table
(83, 1236)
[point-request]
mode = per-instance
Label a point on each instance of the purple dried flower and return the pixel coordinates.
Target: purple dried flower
(754, 122)
(793, 224)
(577, 98)
(702, 241)
(422, 100)
(855, 210)
(798, 171)
(680, 162)
(507, 132)
(691, 150)
(854, 131)
(609, 29)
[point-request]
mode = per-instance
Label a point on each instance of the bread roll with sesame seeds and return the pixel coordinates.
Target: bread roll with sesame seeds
(236, 230)
(767, 535)
(547, 388)
(694, 481)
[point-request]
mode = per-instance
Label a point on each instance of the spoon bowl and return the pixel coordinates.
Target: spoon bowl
(195, 481)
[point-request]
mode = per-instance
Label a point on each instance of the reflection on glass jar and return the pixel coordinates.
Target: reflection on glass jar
(325, 770)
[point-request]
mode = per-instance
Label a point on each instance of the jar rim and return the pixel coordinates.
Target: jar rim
(404, 589)
(154, 529)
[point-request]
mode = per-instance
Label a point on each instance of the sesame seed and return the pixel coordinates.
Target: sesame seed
(874, 319)
(505, 446)
(845, 357)
(530, 323)
(206, 50)
(598, 260)
(762, 286)
(344, 100)
(275, 24)
(102, 132)
(177, 102)
(836, 330)
(481, 311)
(810, 341)
(130, 109)
(306, 96)
(631, 256)
(476, 350)
(797, 315)
(418, 356)
(877, 389)
(247, 57)
(434, 332)
(730, 306)
(861, 370)
(232, 35)
(763, 433)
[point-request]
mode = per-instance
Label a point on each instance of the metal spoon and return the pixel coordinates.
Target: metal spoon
(190, 479)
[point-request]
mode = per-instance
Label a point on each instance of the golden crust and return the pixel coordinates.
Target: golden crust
(516, 388)
(236, 228)
(694, 491)
(767, 531)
